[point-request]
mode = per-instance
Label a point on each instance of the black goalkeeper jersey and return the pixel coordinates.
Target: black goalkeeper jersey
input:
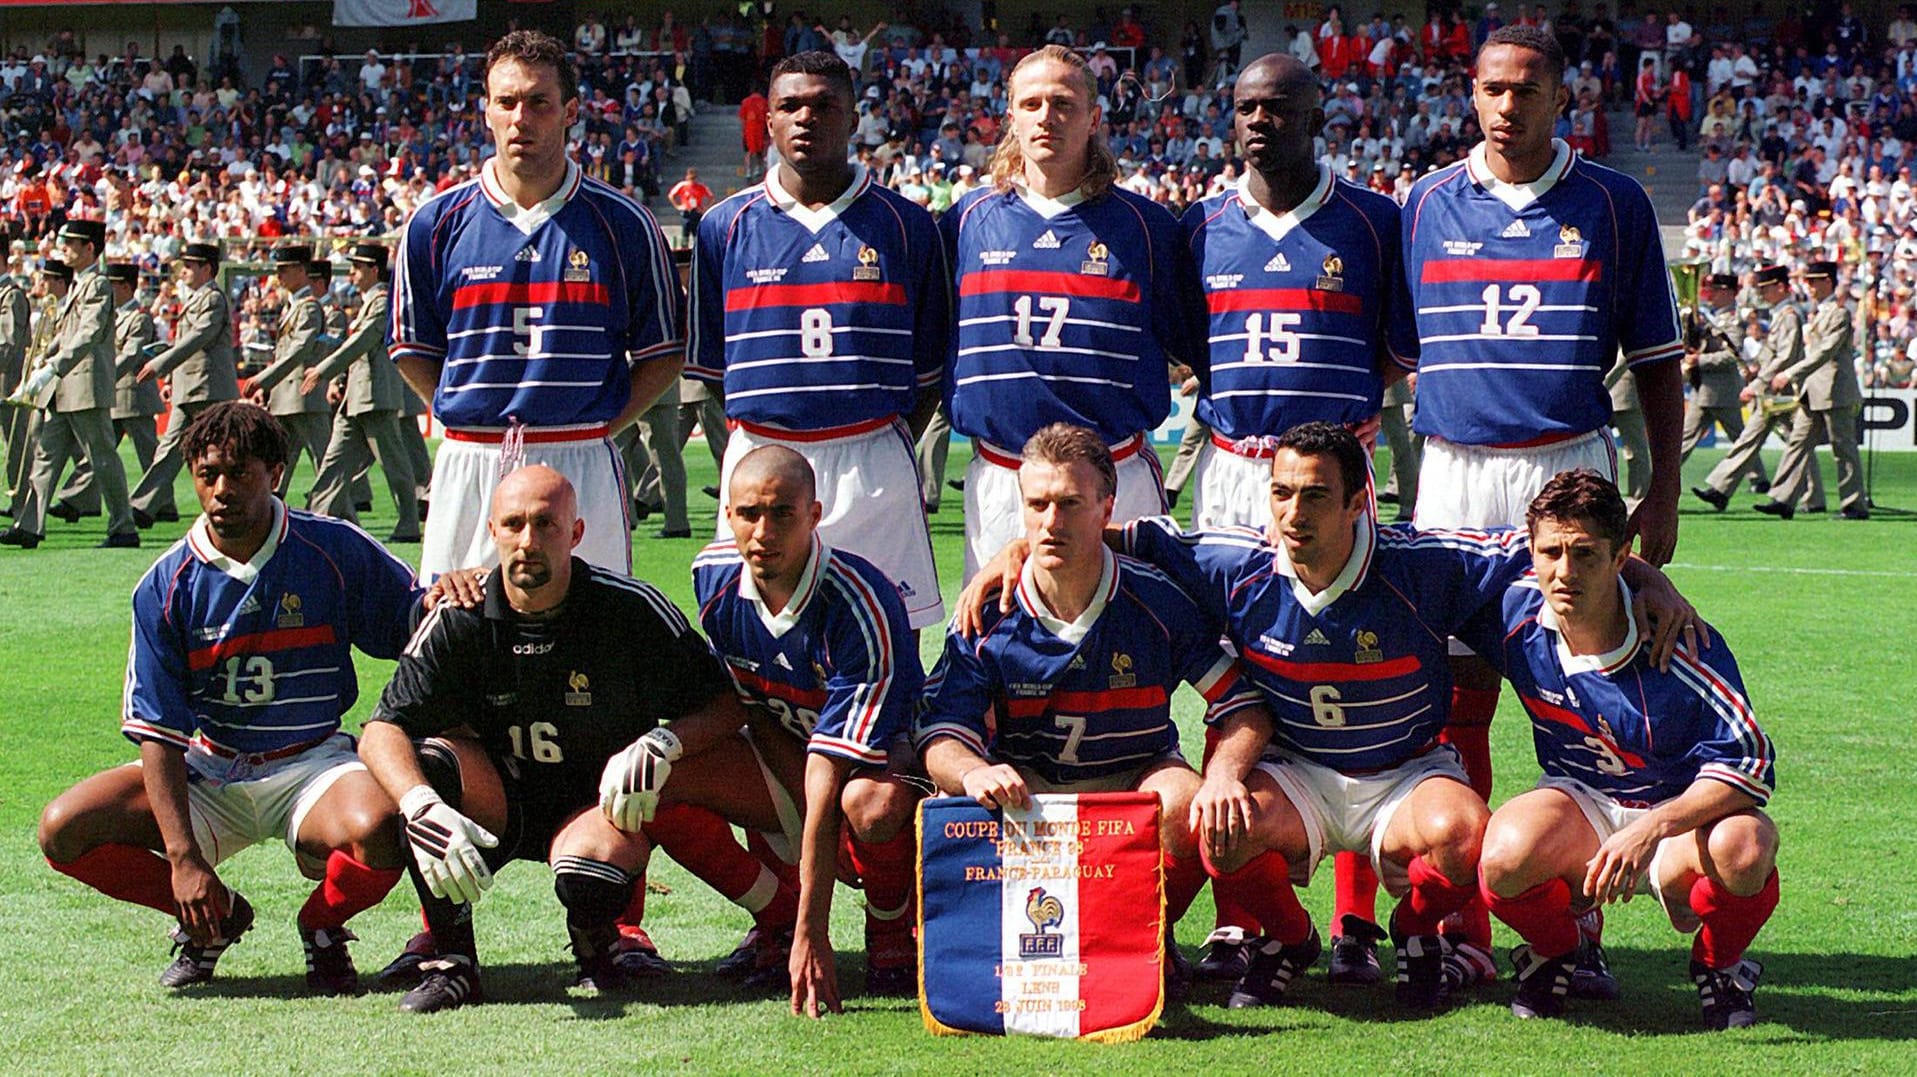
(553, 699)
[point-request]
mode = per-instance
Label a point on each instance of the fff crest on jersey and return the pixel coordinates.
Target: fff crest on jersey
(1095, 260)
(579, 694)
(290, 615)
(1367, 651)
(1122, 675)
(868, 267)
(1043, 910)
(1332, 278)
(1570, 243)
(578, 267)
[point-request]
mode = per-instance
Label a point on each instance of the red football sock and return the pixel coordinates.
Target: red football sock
(1265, 883)
(1469, 731)
(1432, 897)
(888, 870)
(1184, 878)
(703, 844)
(1471, 924)
(1730, 921)
(1232, 909)
(635, 913)
(1354, 888)
(347, 889)
(1542, 915)
(125, 872)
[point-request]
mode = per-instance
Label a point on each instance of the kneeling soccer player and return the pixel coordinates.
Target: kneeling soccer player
(1077, 676)
(1653, 780)
(819, 644)
(555, 677)
(241, 667)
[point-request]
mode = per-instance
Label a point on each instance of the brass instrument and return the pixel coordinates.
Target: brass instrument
(43, 322)
(1687, 278)
(1772, 405)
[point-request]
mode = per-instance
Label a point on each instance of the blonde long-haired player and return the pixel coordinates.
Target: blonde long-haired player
(1069, 301)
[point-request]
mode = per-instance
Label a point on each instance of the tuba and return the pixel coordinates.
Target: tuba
(1687, 278)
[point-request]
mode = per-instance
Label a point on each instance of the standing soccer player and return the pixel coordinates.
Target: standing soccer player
(818, 643)
(1654, 779)
(1071, 301)
(240, 670)
(1530, 269)
(1305, 308)
(538, 310)
(820, 303)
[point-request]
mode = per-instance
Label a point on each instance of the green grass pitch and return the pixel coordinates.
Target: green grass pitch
(1819, 612)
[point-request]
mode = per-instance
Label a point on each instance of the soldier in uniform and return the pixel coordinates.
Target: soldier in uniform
(1783, 347)
(655, 464)
(368, 418)
(135, 403)
(15, 331)
(199, 367)
(296, 348)
(55, 280)
(333, 326)
(1406, 444)
(81, 360)
(1715, 368)
(1633, 439)
(1829, 403)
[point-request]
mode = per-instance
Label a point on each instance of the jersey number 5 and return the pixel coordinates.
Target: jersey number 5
(526, 335)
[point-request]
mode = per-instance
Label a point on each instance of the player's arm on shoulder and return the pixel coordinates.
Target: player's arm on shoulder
(1664, 616)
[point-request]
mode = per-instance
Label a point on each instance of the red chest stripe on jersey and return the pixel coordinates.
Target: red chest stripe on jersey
(1457, 270)
(791, 693)
(479, 295)
(990, 281)
(274, 639)
(1560, 716)
(1236, 299)
(1115, 699)
(755, 297)
(1333, 672)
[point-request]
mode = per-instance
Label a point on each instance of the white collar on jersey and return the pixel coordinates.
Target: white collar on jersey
(813, 219)
(199, 538)
(1075, 631)
(1364, 539)
(1043, 206)
(526, 219)
(1519, 195)
(1277, 225)
(1606, 663)
(781, 623)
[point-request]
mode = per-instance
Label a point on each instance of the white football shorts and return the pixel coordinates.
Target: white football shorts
(243, 801)
(466, 471)
(995, 510)
(1349, 813)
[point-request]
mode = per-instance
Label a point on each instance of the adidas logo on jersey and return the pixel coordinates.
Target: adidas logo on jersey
(816, 254)
(1046, 242)
(1078, 662)
(1278, 264)
(1516, 230)
(527, 254)
(782, 663)
(249, 604)
(1318, 638)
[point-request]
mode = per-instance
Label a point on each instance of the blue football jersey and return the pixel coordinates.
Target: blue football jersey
(1301, 310)
(537, 315)
(1068, 311)
(815, 319)
(1085, 700)
(1616, 724)
(1357, 676)
(256, 657)
(837, 667)
(1525, 294)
